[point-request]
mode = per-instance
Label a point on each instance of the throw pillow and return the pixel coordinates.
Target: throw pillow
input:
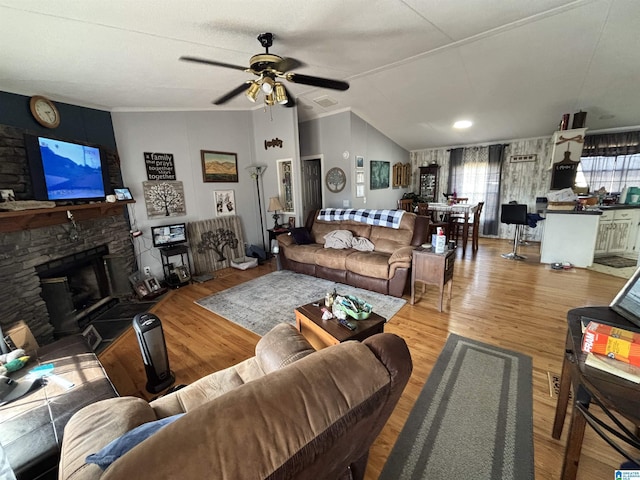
(301, 236)
(339, 239)
(121, 445)
(362, 244)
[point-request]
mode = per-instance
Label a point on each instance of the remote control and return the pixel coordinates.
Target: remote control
(347, 324)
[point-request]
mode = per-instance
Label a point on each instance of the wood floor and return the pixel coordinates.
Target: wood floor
(517, 305)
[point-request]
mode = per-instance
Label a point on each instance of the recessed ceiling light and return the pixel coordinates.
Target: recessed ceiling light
(463, 124)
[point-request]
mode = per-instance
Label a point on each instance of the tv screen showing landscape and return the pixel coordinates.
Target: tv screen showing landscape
(71, 171)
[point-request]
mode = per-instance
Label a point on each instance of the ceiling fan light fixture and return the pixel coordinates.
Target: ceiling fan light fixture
(267, 85)
(253, 91)
(269, 99)
(281, 94)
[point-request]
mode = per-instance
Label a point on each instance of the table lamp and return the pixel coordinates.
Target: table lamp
(274, 206)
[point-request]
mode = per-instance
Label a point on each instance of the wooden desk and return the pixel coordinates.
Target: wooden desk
(466, 209)
(432, 268)
(613, 394)
(324, 333)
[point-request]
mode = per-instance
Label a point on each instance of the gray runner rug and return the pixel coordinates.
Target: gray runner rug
(260, 304)
(473, 418)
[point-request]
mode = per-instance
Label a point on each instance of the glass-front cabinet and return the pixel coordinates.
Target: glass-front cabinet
(429, 182)
(285, 181)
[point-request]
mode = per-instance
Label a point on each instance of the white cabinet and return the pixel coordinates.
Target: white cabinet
(617, 232)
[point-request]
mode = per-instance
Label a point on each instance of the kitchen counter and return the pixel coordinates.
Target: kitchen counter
(570, 236)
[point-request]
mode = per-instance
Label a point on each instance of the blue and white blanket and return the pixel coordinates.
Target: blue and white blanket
(382, 218)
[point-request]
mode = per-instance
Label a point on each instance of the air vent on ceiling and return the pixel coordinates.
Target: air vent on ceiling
(325, 101)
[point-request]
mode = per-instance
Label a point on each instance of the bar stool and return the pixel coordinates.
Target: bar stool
(514, 214)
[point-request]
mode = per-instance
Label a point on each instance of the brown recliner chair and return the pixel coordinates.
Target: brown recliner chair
(287, 413)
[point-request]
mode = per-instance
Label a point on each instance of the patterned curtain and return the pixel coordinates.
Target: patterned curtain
(611, 144)
(474, 172)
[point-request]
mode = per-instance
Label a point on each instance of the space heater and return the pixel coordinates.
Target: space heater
(148, 329)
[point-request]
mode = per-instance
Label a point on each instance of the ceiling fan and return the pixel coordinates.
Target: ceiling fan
(270, 69)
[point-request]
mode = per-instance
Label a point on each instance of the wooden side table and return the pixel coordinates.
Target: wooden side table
(432, 268)
(324, 333)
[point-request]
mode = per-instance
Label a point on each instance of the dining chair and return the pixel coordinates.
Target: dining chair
(405, 204)
(474, 227)
(423, 209)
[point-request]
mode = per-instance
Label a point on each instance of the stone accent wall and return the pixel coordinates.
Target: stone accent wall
(21, 251)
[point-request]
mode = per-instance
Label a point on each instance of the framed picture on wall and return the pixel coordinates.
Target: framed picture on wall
(379, 175)
(360, 177)
(225, 202)
(219, 166)
(359, 162)
(360, 190)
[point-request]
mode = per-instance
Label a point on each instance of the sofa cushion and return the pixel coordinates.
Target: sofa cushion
(301, 236)
(331, 258)
(303, 253)
(388, 239)
(321, 228)
(369, 264)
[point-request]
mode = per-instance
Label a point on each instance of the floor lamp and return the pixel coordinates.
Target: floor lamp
(256, 172)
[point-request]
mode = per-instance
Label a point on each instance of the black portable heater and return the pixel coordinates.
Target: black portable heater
(148, 329)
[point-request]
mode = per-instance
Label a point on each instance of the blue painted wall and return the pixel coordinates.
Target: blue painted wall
(77, 123)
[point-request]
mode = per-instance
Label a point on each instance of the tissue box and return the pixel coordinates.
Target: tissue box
(244, 262)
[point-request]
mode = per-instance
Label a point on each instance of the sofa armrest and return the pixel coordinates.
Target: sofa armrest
(402, 255)
(285, 240)
(282, 345)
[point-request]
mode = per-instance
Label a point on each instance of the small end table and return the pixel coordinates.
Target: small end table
(324, 333)
(432, 268)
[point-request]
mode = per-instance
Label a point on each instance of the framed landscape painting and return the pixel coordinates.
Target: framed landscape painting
(219, 166)
(379, 177)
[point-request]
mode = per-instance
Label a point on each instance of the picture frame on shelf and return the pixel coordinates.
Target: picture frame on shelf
(152, 284)
(292, 222)
(92, 336)
(183, 273)
(219, 166)
(7, 195)
(142, 290)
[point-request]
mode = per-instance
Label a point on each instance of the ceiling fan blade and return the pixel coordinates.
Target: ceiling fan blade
(212, 62)
(288, 64)
(236, 91)
(317, 81)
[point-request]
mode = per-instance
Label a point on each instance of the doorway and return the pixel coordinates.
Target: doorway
(311, 185)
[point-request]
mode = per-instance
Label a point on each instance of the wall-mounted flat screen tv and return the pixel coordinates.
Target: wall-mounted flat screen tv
(167, 235)
(66, 171)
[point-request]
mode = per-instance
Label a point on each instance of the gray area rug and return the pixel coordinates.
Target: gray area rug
(260, 304)
(473, 418)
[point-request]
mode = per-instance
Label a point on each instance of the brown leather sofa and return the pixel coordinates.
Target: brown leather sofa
(384, 270)
(287, 413)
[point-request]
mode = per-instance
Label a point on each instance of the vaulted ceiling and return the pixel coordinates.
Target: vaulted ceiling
(513, 67)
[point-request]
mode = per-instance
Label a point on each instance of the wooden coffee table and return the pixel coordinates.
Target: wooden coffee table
(324, 333)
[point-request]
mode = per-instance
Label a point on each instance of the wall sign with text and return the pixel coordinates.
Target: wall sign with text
(160, 166)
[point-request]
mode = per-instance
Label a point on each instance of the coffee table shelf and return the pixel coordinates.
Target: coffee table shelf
(324, 333)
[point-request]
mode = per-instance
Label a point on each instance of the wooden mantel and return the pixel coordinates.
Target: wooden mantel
(14, 221)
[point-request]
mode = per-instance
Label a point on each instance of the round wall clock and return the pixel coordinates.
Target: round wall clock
(335, 180)
(44, 111)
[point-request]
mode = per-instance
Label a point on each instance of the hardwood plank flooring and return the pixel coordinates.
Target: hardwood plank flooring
(516, 305)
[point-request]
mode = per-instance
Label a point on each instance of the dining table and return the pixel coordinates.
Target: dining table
(466, 209)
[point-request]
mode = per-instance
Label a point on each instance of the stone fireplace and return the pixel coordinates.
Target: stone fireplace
(27, 255)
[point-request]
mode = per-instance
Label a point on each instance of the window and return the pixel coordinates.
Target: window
(612, 173)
